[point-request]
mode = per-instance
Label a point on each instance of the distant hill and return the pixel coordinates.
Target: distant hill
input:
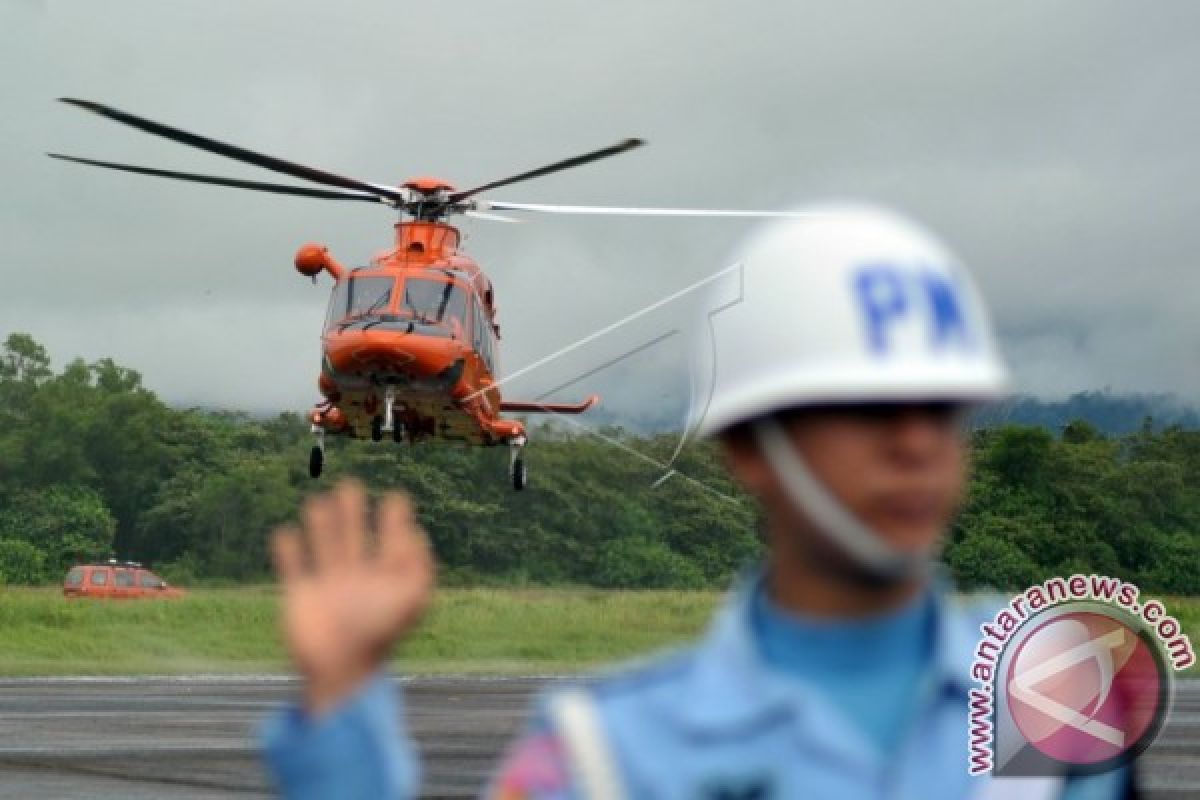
(1114, 414)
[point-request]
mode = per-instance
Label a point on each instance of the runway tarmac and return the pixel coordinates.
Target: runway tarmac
(194, 737)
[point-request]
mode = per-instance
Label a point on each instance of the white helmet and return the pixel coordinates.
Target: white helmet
(848, 305)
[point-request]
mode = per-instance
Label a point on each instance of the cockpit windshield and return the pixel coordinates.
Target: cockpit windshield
(432, 301)
(359, 297)
(432, 307)
(369, 295)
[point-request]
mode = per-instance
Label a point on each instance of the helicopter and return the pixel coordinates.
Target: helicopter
(410, 343)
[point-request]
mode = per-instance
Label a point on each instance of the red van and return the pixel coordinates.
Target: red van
(116, 580)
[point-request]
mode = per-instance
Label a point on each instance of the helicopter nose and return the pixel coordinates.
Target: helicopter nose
(396, 357)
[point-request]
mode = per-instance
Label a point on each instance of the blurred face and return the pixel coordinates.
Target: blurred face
(900, 468)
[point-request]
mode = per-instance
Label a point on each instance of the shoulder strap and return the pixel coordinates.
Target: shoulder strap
(576, 719)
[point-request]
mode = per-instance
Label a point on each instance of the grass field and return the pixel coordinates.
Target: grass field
(495, 631)
(489, 631)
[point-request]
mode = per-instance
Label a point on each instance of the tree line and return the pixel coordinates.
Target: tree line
(93, 465)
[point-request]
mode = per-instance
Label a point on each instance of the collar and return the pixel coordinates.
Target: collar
(731, 685)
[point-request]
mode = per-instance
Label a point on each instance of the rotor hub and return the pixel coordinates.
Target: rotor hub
(427, 185)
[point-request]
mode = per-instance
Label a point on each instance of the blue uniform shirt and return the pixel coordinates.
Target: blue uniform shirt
(719, 720)
(870, 669)
(358, 750)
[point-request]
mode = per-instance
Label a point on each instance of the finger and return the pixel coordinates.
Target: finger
(405, 551)
(324, 536)
(287, 553)
(400, 539)
(350, 499)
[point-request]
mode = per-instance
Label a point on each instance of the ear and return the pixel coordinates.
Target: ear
(742, 458)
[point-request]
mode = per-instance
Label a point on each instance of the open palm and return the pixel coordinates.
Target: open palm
(349, 593)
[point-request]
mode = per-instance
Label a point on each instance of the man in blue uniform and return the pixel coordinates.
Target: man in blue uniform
(839, 668)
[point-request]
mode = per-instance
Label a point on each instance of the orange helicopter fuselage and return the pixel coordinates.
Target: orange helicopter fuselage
(418, 323)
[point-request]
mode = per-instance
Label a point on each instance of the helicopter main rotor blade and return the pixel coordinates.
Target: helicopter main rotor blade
(545, 208)
(492, 217)
(277, 188)
(595, 155)
(393, 193)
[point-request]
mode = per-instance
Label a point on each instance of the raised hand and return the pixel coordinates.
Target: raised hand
(348, 596)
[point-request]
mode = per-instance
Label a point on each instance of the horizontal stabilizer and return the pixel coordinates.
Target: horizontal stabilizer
(550, 408)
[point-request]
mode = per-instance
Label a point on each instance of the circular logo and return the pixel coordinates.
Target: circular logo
(1088, 688)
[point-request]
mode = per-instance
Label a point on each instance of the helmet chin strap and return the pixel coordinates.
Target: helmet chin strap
(865, 546)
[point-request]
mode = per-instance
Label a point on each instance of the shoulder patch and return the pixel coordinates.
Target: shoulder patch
(535, 767)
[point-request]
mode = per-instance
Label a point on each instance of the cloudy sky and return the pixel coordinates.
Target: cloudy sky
(1054, 145)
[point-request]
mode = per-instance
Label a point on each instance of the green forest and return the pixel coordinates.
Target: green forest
(93, 465)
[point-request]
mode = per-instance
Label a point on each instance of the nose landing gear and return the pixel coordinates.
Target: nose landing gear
(387, 422)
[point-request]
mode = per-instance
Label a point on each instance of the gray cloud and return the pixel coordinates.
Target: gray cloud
(1053, 145)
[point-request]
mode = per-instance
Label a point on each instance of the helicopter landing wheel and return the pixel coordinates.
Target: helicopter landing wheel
(316, 456)
(377, 429)
(516, 464)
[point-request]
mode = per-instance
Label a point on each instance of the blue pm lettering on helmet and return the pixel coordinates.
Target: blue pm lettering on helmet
(946, 309)
(882, 297)
(888, 294)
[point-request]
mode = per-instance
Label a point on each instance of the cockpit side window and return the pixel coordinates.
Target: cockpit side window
(483, 337)
(337, 303)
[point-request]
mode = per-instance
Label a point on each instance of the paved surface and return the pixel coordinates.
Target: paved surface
(193, 738)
